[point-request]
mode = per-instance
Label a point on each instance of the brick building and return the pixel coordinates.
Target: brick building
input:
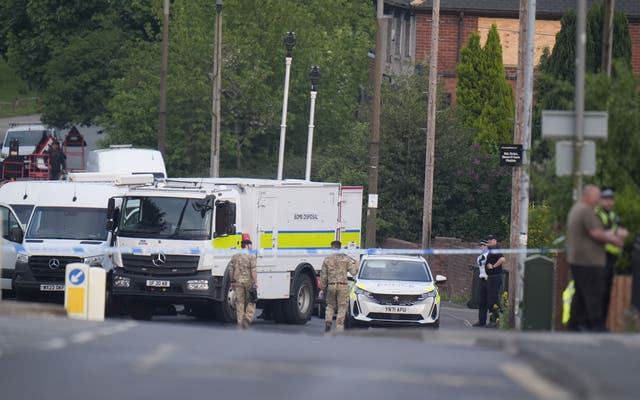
(408, 31)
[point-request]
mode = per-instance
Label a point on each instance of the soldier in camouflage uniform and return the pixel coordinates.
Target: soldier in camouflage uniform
(242, 272)
(333, 279)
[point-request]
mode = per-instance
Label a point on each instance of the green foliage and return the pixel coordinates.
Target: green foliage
(15, 96)
(542, 231)
(484, 96)
(617, 163)
(628, 208)
(68, 51)
(332, 34)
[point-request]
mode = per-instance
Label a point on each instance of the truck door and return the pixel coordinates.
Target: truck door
(267, 227)
(350, 216)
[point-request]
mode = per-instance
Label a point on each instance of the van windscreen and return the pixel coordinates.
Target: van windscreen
(68, 223)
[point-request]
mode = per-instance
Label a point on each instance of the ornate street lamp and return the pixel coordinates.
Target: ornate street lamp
(289, 43)
(314, 75)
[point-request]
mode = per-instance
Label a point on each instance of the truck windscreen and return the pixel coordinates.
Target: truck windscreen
(166, 217)
(68, 223)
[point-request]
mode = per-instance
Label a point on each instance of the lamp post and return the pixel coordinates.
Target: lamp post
(314, 75)
(289, 44)
(162, 128)
(215, 112)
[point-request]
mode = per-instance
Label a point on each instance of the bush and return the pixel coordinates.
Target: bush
(628, 208)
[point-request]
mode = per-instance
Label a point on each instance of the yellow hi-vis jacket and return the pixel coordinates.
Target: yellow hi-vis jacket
(567, 297)
(610, 221)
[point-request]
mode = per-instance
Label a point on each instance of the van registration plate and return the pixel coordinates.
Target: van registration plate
(156, 283)
(51, 288)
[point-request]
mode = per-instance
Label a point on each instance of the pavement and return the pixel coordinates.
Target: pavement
(14, 307)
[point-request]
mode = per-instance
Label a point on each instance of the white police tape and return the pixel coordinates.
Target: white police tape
(97, 250)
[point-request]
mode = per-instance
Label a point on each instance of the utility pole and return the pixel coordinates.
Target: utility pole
(162, 129)
(215, 112)
(608, 7)
(520, 178)
(374, 145)
(431, 126)
(578, 144)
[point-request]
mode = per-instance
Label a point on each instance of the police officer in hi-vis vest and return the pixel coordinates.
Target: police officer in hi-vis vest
(611, 222)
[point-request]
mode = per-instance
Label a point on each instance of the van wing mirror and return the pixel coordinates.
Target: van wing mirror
(16, 234)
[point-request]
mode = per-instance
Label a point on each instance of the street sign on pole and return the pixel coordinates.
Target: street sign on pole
(564, 158)
(510, 155)
(561, 124)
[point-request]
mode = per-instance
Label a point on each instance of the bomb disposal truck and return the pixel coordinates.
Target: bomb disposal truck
(174, 242)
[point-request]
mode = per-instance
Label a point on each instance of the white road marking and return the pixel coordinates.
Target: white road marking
(160, 354)
(466, 322)
(53, 344)
(534, 383)
(57, 343)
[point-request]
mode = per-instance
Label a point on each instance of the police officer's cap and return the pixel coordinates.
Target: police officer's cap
(490, 237)
(483, 243)
(607, 193)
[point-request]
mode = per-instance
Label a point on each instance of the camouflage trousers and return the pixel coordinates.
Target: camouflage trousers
(337, 298)
(244, 308)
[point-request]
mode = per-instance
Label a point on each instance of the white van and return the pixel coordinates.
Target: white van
(28, 136)
(22, 195)
(68, 224)
(12, 232)
(127, 160)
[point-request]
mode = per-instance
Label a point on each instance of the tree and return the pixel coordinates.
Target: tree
(618, 95)
(484, 96)
(333, 34)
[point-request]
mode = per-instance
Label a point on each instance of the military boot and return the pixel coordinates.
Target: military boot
(327, 326)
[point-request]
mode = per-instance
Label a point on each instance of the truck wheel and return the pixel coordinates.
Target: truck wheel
(298, 308)
(226, 310)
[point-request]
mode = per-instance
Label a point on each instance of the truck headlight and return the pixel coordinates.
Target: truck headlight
(198, 284)
(121, 281)
(94, 261)
(22, 258)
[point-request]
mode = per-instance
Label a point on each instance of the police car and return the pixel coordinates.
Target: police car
(395, 289)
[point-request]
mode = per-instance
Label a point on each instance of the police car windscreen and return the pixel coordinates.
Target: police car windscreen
(167, 217)
(68, 223)
(394, 270)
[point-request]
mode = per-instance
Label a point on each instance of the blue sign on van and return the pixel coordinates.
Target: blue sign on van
(76, 276)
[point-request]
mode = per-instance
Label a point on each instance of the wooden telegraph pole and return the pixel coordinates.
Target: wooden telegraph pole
(431, 127)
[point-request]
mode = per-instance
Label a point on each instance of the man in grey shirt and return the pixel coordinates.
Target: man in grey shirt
(586, 239)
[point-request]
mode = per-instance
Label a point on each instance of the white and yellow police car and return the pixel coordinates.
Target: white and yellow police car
(395, 289)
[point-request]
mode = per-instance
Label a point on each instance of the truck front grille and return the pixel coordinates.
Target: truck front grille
(173, 265)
